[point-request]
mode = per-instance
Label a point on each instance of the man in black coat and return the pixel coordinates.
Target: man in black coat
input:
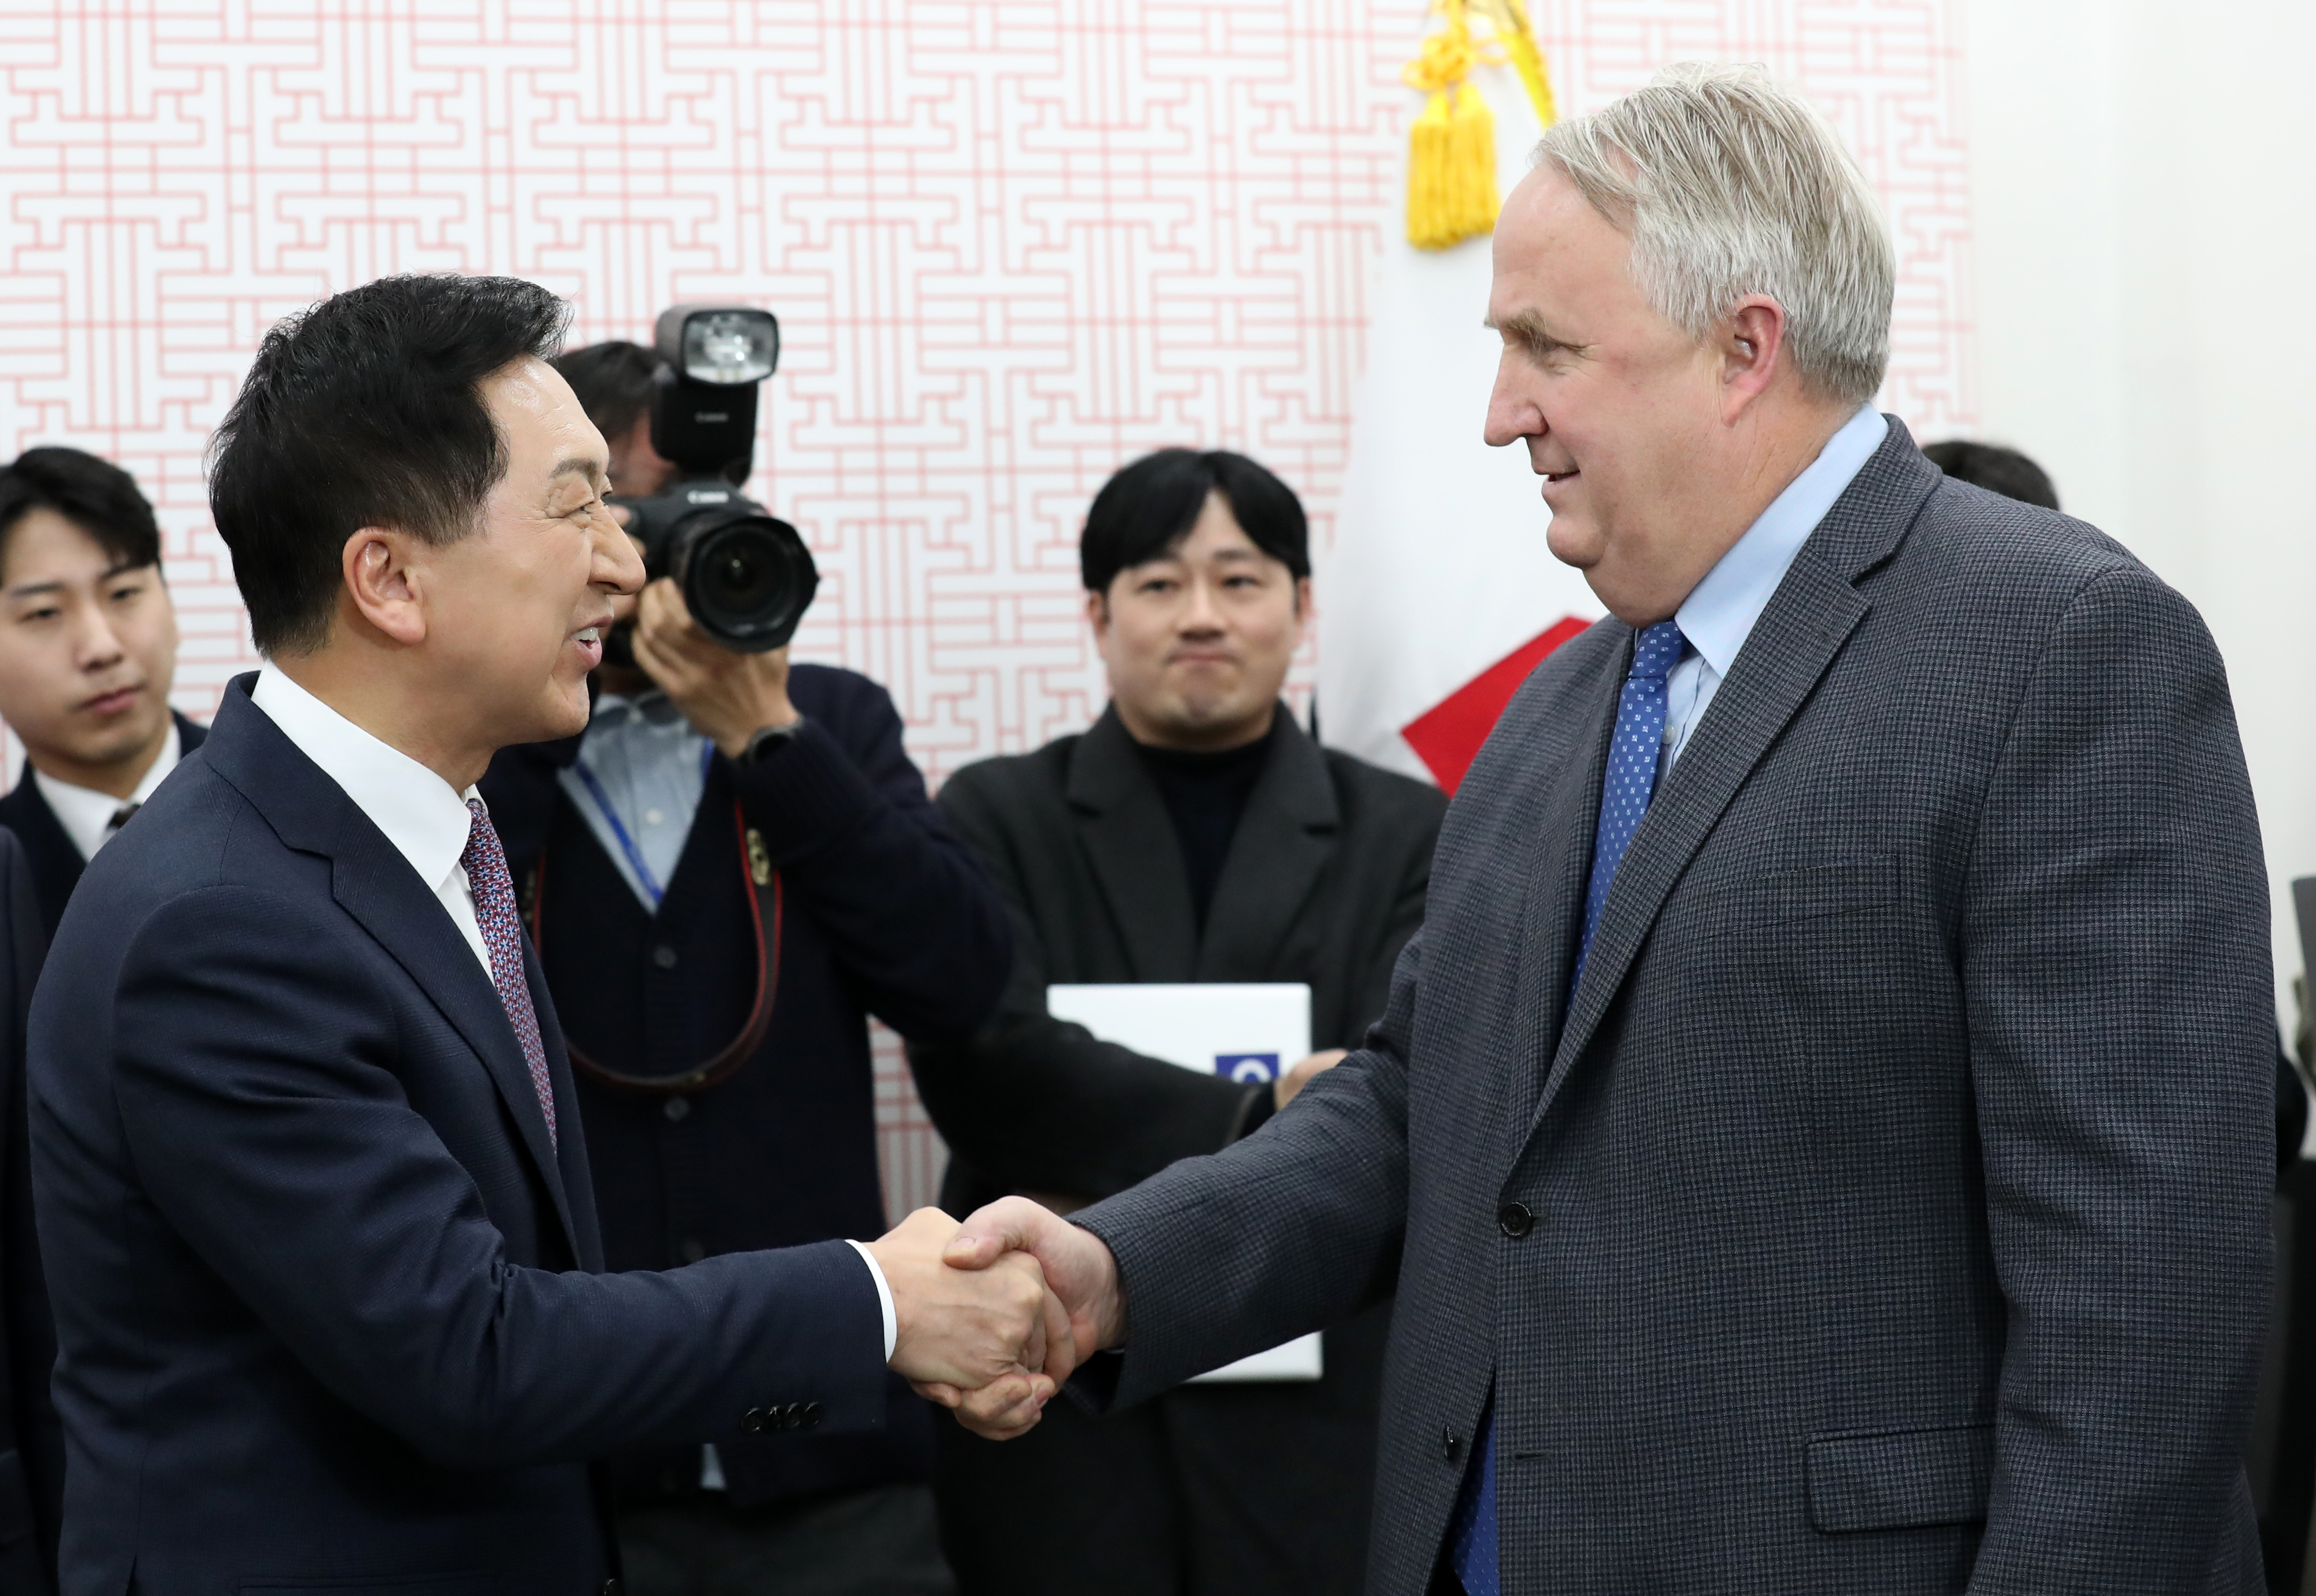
(727, 873)
(88, 648)
(1194, 834)
(32, 1442)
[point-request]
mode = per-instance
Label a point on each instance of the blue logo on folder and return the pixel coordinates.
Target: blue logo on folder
(1247, 1068)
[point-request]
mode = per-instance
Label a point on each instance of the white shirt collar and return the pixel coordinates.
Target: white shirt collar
(1720, 611)
(426, 821)
(86, 814)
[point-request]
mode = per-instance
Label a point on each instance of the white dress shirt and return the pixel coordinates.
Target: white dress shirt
(428, 822)
(1720, 611)
(424, 817)
(86, 814)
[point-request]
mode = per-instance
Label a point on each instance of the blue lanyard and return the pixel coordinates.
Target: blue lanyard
(626, 843)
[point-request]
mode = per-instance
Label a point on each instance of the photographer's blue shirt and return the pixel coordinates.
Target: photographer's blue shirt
(638, 777)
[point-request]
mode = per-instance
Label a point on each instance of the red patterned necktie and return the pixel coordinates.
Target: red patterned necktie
(485, 863)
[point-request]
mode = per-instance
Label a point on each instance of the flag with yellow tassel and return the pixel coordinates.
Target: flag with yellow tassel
(1451, 168)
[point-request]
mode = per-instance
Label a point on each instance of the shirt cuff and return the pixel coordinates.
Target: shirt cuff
(883, 1296)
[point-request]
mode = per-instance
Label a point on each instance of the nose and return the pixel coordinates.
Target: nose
(1512, 414)
(98, 647)
(1202, 616)
(619, 559)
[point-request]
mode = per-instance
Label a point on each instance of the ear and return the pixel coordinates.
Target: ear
(1752, 352)
(1301, 601)
(383, 586)
(1098, 613)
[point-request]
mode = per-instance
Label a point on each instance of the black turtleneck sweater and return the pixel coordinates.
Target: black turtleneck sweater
(1205, 794)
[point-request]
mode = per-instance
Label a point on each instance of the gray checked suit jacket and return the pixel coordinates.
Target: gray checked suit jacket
(1888, 1213)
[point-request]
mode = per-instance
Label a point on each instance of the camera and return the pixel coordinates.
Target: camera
(745, 574)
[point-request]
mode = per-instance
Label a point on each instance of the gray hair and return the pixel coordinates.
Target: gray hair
(1728, 183)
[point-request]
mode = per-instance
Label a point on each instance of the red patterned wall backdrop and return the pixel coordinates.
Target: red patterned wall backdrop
(1011, 243)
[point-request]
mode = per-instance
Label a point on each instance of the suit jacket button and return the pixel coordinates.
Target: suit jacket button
(812, 1415)
(1514, 1219)
(757, 1420)
(1450, 1443)
(664, 956)
(792, 1417)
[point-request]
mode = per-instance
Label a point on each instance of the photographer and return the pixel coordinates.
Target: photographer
(727, 874)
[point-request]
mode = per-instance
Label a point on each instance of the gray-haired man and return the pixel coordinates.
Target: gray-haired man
(1820, 1131)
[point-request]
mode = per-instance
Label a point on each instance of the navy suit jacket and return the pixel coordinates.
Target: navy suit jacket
(31, 1446)
(327, 1302)
(886, 912)
(55, 858)
(1887, 1209)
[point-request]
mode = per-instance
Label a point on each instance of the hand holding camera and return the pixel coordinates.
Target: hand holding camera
(729, 696)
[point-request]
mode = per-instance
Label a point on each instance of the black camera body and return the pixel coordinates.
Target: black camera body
(745, 574)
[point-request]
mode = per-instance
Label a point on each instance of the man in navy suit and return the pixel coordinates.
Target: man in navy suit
(306, 1158)
(88, 649)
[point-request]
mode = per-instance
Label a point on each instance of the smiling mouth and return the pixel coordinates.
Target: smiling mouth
(588, 634)
(1559, 476)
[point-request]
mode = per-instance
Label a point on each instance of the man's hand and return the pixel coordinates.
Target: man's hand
(1283, 1089)
(728, 697)
(984, 1331)
(1079, 1273)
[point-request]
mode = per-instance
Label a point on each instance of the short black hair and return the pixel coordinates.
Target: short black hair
(365, 411)
(613, 381)
(1151, 505)
(95, 495)
(1998, 470)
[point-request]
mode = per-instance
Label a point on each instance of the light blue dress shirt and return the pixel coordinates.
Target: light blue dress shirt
(639, 776)
(1719, 613)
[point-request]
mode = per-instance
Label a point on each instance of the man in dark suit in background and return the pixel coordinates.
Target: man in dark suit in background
(1195, 834)
(88, 648)
(713, 1127)
(308, 1169)
(32, 1442)
(1822, 1127)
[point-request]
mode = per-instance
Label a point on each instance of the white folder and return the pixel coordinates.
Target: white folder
(1244, 1031)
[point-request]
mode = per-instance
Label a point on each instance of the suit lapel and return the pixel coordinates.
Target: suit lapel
(375, 884)
(1284, 840)
(55, 857)
(1123, 828)
(1799, 633)
(576, 1199)
(1811, 614)
(1557, 868)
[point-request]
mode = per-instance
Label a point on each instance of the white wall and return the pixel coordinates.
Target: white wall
(2144, 178)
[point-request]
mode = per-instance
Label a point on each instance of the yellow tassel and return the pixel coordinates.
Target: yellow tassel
(1451, 153)
(1518, 40)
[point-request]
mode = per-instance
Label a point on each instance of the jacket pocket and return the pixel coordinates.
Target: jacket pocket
(1900, 1479)
(1819, 889)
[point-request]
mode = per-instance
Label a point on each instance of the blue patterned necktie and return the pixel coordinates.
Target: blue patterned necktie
(1624, 789)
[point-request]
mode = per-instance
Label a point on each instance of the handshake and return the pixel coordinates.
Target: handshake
(992, 1315)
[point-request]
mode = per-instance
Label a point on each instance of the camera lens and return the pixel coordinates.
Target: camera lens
(746, 577)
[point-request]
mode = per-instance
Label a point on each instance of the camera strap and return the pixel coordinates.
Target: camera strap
(765, 892)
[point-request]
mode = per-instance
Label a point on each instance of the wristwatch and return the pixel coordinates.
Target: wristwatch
(769, 740)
